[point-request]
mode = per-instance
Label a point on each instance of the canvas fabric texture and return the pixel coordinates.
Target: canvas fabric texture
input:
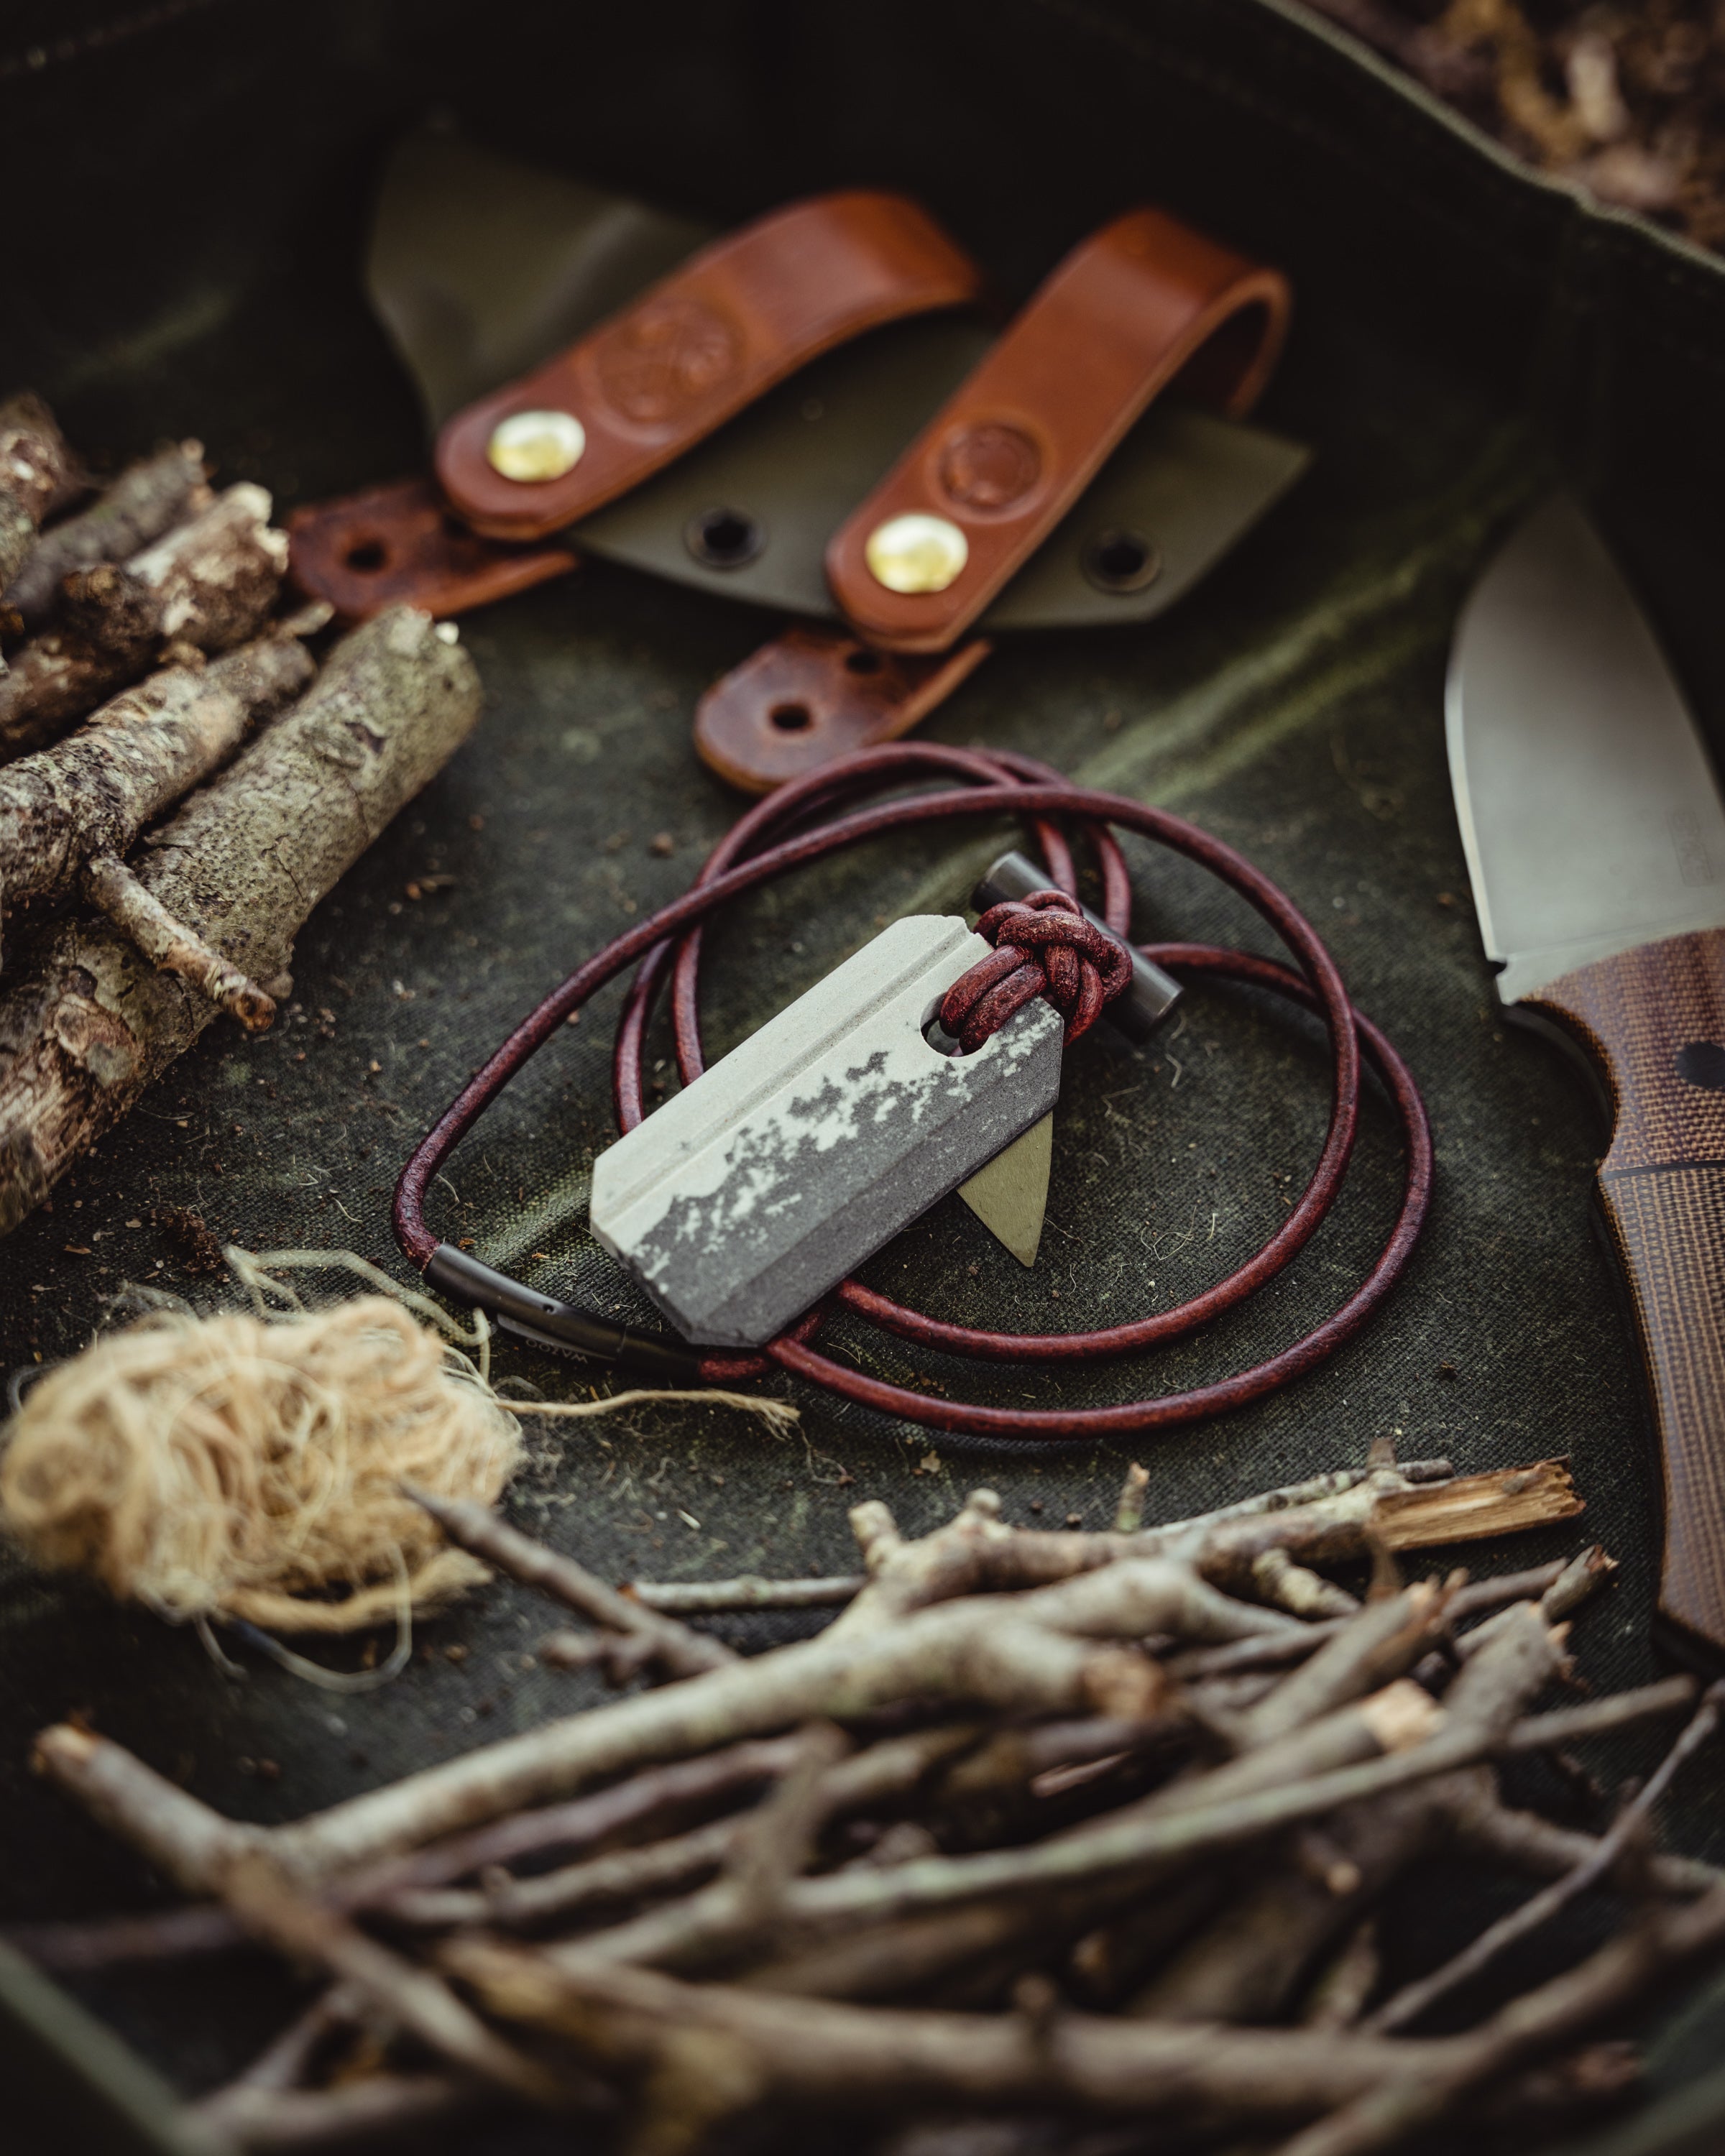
(1464, 335)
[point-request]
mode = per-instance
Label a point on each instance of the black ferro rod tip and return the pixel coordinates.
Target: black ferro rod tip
(546, 1322)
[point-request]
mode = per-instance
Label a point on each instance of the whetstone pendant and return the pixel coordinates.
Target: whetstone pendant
(746, 1197)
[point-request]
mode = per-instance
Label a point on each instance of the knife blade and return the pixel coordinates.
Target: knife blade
(1595, 833)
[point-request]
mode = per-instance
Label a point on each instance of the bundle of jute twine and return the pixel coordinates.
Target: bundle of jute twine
(248, 1465)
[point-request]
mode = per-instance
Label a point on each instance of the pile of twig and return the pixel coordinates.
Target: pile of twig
(1627, 100)
(167, 594)
(1080, 1833)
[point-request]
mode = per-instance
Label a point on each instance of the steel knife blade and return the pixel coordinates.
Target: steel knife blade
(1594, 834)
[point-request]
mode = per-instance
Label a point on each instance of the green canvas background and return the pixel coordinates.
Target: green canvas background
(197, 203)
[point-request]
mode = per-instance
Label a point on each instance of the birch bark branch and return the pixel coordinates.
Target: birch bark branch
(94, 792)
(147, 498)
(206, 586)
(242, 864)
(36, 470)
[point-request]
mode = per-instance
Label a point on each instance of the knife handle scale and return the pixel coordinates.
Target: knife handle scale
(1655, 1019)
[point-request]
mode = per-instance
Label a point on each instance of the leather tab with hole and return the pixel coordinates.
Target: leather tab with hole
(813, 694)
(733, 320)
(401, 544)
(1144, 306)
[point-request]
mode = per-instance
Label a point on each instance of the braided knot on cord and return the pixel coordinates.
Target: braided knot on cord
(1043, 947)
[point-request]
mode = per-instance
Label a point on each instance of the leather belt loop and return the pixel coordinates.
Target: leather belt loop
(721, 330)
(1145, 305)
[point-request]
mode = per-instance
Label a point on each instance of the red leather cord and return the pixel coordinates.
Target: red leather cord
(1043, 947)
(807, 821)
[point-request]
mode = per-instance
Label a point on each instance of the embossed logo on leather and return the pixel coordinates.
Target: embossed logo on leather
(989, 466)
(665, 357)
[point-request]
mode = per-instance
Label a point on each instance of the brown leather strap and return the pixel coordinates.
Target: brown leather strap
(716, 334)
(1144, 304)
(813, 694)
(403, 545)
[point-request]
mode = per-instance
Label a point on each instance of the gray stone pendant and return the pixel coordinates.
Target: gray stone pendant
(746, 1197)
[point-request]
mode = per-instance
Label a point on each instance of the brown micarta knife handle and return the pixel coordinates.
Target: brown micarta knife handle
(1655, 1018)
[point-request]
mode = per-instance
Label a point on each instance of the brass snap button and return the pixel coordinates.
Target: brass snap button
(916, 552)
(532, 447)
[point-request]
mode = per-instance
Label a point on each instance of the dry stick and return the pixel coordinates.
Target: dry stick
(1012, 1760)
(790, 1684)
(1248, 1961)
(71, 1949)
(704, 1597)
(1570, 2092)
(890, 1770)
(242, 864)
(1598, 1717)
(1247, 1964)
(657, 1801)
(1476, 1598)
(1391, 1637)
(681, 1652)
(269, 1904)
(1581, 1578)
(406, 1890)
(630, 1874)
(1127, 1850)
(1284, 1584)
(171, 947)
(777, 1840)
(919, 1953)
(1483, 1826)
(660, 1800)
(1489, 1697)
(1619, 1976)
(94, 792)
(486, 1782)
(286, 2062)
(1338, 1994)
(1293, 1496)
(803, 2050)
(886, 1773)
(1239, 1547)
(764, 2049)
(36, 468)
(1384, 1641)
(1129, 1846)
(208, 585)
(713, 1598)
(147, 498)
(293, 2121)
(1413, 1999)
(207, 1854)
(971, 1651)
